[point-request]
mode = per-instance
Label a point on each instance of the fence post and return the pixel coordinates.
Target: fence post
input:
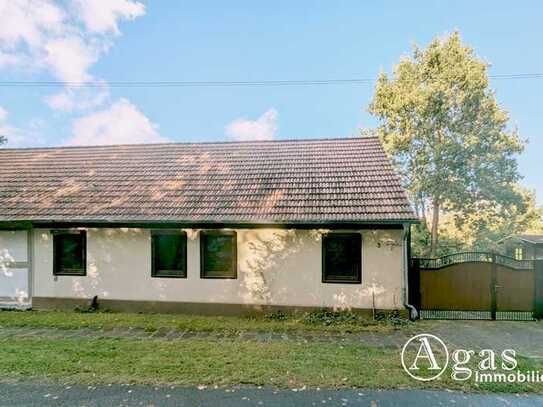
(414, 295)
(493, 287)
(538, 269)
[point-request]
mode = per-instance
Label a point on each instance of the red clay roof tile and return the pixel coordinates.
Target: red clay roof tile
(313, 181)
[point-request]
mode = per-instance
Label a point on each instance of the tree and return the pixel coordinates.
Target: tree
(442, 127)
(482, 230)
(3, 140)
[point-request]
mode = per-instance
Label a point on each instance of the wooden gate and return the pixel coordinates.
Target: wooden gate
(476, 285)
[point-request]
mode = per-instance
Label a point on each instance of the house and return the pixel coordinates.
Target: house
(215, 228)
(523, 247)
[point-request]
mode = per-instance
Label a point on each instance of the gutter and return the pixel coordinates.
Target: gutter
(413, 313)
(205, 224)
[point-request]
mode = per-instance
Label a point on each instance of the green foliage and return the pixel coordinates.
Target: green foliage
(420, 240)
(482, 230)
(277, 316)
(442, 126)
(394, 317)
(90, 310)
(3, 140)
(327, 317)
(229, 325)
(448, 243)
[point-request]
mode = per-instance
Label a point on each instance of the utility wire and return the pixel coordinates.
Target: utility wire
(136, 84)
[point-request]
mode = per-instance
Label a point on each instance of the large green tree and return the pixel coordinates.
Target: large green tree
(482, 230)
(442, 126)
(3, 140)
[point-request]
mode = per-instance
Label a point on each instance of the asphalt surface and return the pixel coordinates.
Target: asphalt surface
(17, 395)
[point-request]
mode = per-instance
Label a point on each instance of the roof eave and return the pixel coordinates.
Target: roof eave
(153, 223)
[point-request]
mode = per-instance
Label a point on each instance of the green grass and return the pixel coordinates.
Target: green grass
(152, 322)
(224, 363)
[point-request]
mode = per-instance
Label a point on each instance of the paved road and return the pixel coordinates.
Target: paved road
(18, 395)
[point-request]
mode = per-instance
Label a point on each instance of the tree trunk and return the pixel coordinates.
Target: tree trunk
(423, 213)
(435, 224)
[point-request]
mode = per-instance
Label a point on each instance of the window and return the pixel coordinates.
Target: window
(341, 258)
(519, 253)
(69, 253)
(169, 254)
(218, 254)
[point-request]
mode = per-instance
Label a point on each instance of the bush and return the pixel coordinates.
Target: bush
(394, 317)
(277, 316)
(328, 317)
(93, 307)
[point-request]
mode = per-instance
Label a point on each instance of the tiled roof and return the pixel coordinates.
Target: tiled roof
(304, 181)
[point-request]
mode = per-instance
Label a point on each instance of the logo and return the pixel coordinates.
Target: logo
(425, 357)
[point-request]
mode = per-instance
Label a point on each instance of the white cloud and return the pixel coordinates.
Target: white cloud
(8, 59)
(28, 22)
(28, 31)
(263, 128)
(101, 16)
(18, 137)
(78, 98)
(63, 40)
(12, 134)
(69, 58)
(122, 123)
(43, 32)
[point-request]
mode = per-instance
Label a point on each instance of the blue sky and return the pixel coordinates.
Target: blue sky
(123, 40)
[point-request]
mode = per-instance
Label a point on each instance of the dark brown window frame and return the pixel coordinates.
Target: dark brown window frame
(156, 273)
(203, 236)
(57, 271)
(358, 279)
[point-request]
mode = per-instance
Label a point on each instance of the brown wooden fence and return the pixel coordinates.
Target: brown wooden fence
(477, 285)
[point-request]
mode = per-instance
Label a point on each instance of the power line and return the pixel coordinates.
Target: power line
(189, 83)
(317, 82)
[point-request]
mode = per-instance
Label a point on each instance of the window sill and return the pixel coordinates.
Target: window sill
(218, 277)
(81, 273)
(168, 276)
(331, 281)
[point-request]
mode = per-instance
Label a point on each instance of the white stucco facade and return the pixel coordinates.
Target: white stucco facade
(275, 267)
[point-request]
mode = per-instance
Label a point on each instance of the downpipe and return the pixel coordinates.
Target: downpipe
(413, 313)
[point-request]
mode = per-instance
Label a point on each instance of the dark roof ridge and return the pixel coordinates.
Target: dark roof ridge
(222, 142)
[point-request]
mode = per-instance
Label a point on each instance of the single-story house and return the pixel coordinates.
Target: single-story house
(523, 247)
(204, 227)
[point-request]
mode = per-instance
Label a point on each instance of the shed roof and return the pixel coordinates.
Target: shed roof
(536, 239)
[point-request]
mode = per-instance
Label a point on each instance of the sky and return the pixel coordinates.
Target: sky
(107, 41)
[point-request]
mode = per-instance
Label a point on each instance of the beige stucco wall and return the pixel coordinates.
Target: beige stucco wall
(275, 267)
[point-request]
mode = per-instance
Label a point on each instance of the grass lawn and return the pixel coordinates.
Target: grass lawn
(224, 363)
(319, 321)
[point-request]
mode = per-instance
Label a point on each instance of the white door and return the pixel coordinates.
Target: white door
(14, 268)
